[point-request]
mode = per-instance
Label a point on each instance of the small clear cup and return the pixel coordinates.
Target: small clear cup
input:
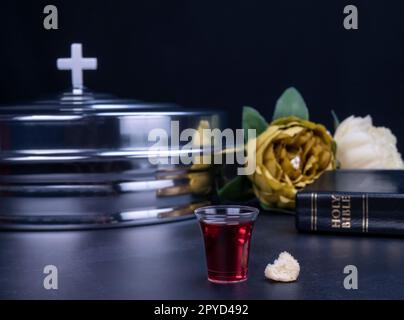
(227, 233)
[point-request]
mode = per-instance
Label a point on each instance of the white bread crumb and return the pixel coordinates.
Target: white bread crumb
(284, 269)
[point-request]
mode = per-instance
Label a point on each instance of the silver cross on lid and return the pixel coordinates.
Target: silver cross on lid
(77, 63)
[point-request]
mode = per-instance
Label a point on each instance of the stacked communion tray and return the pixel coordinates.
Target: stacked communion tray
(86, 160)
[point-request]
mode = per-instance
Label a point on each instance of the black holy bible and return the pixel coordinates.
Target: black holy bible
(353, 201)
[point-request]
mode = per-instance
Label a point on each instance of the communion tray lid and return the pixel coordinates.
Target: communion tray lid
(83, 159)
(78, 126)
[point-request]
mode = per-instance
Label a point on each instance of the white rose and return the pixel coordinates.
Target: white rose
(360, 145)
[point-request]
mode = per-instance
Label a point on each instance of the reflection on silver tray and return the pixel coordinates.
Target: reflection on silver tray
(104, 199)
(82, 160)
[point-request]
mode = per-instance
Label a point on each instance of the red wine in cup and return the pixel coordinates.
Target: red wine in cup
(227, 249)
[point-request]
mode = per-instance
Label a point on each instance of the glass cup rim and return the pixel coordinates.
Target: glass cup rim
(244, 212)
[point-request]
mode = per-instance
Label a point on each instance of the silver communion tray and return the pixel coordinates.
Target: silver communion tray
(84, 160)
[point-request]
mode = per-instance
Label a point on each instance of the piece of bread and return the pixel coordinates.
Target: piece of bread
(284, 269)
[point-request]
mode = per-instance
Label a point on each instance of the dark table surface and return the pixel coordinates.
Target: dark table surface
(167, 262)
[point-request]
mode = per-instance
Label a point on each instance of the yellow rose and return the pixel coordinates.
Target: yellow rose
(290, 154)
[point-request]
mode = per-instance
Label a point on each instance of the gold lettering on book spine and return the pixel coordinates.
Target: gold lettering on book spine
(341, 211)
(335, 213)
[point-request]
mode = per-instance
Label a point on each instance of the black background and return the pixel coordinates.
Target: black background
(216, 54)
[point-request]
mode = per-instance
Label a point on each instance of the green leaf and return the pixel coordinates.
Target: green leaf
(265, 207)
(291, 103)
(334, 147)
(238, 189)
(336, 120)
(252, 119)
